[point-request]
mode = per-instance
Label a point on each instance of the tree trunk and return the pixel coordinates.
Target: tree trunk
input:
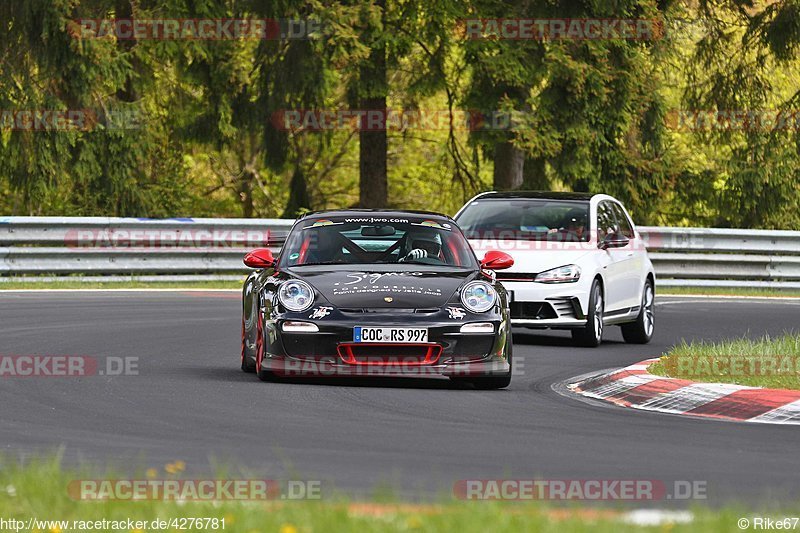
(373, 182)
(508, 165)
(373, 143)
(534, 176)
(581, 185)
(299, 198)
(124, 10)
(246, 195)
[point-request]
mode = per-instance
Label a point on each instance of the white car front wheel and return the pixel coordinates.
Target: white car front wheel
(592, 334)
(641, 330)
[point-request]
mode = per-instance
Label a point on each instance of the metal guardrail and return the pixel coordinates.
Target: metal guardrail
(120, 249)
(125, 249)
(715, 257)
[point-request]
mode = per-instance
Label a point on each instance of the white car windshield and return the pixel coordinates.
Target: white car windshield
(526, 219)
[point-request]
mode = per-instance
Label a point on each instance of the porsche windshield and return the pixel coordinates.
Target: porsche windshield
(371, 240)
(526, 219)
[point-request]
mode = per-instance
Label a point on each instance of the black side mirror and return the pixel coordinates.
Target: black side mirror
(614, 240)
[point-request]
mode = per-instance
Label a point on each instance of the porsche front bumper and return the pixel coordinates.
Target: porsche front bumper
(331, 351)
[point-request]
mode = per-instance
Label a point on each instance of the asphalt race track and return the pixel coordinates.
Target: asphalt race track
(190, 401)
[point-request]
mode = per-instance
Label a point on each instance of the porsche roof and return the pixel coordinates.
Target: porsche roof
(383, 213)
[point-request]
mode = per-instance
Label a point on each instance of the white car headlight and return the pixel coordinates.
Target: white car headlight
(478, 296)
(563, 274)
(296, 295)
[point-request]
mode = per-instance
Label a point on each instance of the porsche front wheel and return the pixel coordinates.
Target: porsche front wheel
(247, 366)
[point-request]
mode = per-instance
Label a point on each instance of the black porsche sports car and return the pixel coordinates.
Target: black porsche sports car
(389, 293)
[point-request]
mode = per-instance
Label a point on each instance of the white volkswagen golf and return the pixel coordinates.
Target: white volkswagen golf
(579, 262)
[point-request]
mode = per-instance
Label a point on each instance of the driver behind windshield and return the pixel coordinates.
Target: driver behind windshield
(419, 247)
(575, 222)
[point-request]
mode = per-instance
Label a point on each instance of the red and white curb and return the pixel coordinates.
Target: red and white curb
(634, 387)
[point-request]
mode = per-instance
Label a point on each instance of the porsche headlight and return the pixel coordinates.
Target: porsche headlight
(563, 274)
(478, 296)
(296, 295)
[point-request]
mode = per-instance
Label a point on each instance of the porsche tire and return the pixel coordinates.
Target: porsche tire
(246, 365)
(262, 373)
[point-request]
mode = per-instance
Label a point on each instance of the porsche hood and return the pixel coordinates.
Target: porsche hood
(386, 289)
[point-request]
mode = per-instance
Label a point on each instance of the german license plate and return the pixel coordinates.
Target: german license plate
(389, 334)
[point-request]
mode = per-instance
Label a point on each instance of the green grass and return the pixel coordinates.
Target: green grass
(722, 291)
(764, 362)
(39, 490)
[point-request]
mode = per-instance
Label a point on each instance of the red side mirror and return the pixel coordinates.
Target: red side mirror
(497, 260)
(259, 258)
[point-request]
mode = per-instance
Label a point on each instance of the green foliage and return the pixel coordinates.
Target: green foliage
(120, 161)
(188, 127)
(745, 61)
